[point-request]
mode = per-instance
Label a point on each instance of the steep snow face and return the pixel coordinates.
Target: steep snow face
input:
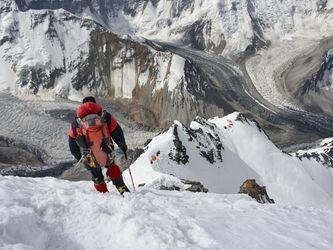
(39, 47)
(54, 214)
(223, 152)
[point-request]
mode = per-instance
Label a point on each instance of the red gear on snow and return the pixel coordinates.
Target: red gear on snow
(101, 187)
(113, 172)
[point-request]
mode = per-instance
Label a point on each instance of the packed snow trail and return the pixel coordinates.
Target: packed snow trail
(48, 213)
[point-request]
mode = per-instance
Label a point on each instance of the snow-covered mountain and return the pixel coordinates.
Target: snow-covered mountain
(321, 152)
(223, 152)
(219, 26)
(55, 53)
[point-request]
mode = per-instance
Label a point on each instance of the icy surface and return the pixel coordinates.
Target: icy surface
(53, 214)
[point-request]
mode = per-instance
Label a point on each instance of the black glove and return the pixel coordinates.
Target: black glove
(124, 149)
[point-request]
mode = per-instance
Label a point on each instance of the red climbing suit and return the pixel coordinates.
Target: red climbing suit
(110, 129)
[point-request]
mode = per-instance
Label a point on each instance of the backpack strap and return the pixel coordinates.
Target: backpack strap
(107, 118)
(79, 138)
(75, 126)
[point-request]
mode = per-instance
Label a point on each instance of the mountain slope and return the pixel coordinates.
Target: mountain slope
(219, 26)
(54, 214)
(223, 152)
(55, 53)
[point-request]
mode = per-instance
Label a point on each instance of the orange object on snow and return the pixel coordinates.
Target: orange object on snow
(153, 158)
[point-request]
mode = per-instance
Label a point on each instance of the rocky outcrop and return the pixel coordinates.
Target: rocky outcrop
(322, 79)
(191, 186)
(315, 93)
(179, 155)
(322, 152)
(257, 192)
(195, 186)
(208, 143)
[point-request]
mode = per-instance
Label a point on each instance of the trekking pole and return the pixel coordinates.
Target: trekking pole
(77, 166)
(129, 169)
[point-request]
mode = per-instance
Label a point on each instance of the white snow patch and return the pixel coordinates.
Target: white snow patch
(176, 75)
(55, 214)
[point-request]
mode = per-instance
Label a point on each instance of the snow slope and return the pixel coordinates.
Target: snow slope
(52, 214)
(223, 152)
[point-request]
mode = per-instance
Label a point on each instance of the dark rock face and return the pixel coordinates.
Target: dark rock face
(209, 144)
(258, 40)
(315, 93)
(257, 192)
(11, 156)
(321, 5)
(197, 35)
(323, 153)
(195, 186)
(14, 147)
(179, 155)
(213, 154)
(320, 79)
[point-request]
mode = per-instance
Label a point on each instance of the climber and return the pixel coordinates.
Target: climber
(91, 137)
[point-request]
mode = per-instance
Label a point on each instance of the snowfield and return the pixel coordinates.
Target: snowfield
(52, 214)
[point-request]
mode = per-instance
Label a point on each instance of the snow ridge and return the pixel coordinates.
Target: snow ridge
(223, 152)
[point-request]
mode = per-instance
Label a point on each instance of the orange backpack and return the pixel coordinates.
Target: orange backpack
(96, 132)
